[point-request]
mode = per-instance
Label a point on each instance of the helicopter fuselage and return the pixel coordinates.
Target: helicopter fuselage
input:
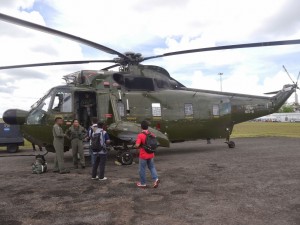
(123, 99)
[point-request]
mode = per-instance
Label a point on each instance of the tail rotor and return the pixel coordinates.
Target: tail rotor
(296, 103)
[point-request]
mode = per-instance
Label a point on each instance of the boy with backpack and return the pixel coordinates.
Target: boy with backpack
(146, 142)
(99, 141)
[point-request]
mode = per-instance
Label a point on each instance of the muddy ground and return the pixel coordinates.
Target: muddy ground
(258, 182)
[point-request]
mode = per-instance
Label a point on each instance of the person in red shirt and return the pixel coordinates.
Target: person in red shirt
(145, 159)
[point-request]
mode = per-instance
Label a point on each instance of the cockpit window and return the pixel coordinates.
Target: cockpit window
(139, 83)
(38, 112)
(62, 102)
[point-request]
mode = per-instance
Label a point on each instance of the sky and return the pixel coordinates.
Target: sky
(151, 27)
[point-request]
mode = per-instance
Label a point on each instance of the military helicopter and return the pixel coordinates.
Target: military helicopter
(136, 92)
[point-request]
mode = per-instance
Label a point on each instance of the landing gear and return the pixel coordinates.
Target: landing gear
(125, 157)
(230, 144)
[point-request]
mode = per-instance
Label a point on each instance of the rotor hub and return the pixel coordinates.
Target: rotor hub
(132, 59)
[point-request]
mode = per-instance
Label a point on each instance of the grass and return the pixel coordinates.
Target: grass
(27, 145)
(266, 129)
(247, 129)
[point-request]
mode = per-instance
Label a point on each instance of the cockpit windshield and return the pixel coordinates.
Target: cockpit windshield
(54, 101)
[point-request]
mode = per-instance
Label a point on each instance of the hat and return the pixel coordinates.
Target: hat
(95, 125)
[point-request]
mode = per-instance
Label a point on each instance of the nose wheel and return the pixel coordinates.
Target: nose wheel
(230, 144)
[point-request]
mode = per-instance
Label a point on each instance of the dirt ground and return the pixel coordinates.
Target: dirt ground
(258, 182)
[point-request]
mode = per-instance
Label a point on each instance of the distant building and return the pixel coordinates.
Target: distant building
(281, 117)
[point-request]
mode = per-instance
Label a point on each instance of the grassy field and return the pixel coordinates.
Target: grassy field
(247, 129)
(266, 129)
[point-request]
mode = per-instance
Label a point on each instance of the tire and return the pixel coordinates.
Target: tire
(126, 158)
(13, 148)
(231, 144)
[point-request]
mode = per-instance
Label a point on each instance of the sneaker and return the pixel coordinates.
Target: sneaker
(141, 185)
(95, 178)
(104, 178)
(82, 166)
(156, 183)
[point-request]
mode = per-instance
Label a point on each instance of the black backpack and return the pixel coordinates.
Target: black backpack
(151, 144)
(97, 142)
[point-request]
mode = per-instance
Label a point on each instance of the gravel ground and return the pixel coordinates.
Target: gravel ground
(258, 182)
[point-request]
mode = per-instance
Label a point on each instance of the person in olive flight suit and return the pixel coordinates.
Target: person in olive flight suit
(76, 134)
(58, 143)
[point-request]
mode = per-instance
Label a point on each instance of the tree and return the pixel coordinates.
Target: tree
(286, 109)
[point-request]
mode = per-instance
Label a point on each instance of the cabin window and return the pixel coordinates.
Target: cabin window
(162, 84)
(121, 109)
(225, 108)
(62, 102)
(188, 109)
(156, 109)
(216, 110)
(139, 83)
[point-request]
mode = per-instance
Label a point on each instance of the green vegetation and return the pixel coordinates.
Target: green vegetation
(266, 129)
(286, 109)
(27, 145)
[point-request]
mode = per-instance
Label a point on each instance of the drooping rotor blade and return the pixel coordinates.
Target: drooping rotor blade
(55, 63)
(34, 26)
(225, 47)
(271, 93)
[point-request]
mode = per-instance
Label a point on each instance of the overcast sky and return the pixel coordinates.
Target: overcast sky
(151, 27)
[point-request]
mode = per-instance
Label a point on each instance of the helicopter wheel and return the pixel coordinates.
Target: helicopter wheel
(126, 157)
(231, 144)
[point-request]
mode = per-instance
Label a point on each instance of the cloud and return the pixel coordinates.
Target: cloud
(151, 27)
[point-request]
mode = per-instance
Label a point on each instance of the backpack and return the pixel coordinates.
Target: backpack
(151, 143)
(97, 142)
(40, 165)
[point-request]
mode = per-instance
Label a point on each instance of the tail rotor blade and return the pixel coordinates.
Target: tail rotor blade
(288, 73)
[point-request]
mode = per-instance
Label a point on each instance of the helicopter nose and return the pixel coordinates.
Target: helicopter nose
(15, 116)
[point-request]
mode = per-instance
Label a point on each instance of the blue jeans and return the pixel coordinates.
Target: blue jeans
(100, 161)
(142, 169)
(92, 157)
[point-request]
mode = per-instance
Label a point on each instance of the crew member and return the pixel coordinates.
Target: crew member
(86, 105)
(76, 134)
(58, 143)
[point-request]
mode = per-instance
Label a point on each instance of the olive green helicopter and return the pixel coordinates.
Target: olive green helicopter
(136, 92)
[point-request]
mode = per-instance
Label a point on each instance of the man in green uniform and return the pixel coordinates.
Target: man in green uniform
(58, 143)
(87, 107)
(76, 134)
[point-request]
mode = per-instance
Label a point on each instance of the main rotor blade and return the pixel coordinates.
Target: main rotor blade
(225, 47)
(55, 63)
(110, 67)
(34, 26)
